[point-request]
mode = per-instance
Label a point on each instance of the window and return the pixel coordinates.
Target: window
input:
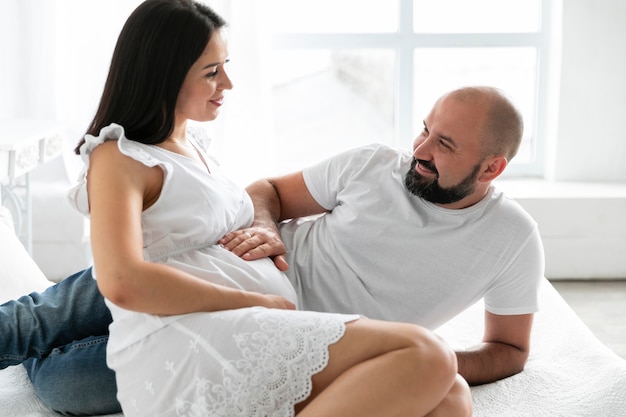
(352, 72)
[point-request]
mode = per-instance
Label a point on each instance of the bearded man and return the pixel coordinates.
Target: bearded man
(413, 237)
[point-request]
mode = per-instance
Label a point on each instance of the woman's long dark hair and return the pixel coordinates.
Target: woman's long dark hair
(158, 44)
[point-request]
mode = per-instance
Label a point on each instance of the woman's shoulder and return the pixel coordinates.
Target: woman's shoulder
(113, 158)
(110, 156)
(109, 147)
(112, 168)
(109, 153)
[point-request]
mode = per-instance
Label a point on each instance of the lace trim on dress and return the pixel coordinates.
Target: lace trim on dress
(275, 371)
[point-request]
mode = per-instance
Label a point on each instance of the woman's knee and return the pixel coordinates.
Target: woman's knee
(427, 348)
(457, 403)
(432, 350)
(427, 363)
(419, 354)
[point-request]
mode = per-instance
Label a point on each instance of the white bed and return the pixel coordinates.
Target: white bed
(569, 373)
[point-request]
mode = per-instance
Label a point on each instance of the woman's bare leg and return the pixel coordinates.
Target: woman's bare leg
(458, 401)
(382, 369)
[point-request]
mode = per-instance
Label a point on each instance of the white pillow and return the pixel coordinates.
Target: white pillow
(19, 274)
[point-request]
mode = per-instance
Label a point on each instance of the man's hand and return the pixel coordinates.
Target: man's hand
(274, 200)
(255, 243)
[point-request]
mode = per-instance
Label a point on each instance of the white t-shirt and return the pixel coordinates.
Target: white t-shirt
(387, 254)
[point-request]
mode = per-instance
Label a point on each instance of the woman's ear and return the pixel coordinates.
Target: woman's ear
(492, 168)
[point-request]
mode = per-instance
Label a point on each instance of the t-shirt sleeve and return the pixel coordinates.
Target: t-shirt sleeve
(325, 180)
(517, 290)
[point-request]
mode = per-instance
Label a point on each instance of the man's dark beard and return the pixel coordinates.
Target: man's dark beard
(430, 190)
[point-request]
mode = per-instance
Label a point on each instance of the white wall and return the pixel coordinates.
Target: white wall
(10, 80)
(582, 226)
(591, 143)
(582, 212)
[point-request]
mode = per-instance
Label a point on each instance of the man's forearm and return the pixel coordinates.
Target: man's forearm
(489, 362)
(266, 204)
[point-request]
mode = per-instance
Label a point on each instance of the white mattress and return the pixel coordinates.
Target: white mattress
(570, 373)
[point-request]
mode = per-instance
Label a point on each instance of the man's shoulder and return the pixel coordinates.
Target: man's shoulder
(379, 148)
(375, 153)
(509, 210)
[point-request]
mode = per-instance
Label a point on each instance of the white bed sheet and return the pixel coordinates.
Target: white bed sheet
(570, 373)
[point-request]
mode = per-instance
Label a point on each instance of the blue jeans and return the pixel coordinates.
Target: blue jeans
(60, 336)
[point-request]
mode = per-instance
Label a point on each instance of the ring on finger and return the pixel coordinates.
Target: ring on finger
(248, 235)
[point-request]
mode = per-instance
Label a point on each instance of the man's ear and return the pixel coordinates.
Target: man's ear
(492, 168)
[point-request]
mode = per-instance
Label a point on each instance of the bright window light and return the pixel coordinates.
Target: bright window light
(333, 16)
(476, 16)
(349, 73)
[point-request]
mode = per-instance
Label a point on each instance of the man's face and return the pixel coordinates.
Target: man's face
(447, 159)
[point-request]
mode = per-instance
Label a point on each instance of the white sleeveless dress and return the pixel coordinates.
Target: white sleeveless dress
(244, 362)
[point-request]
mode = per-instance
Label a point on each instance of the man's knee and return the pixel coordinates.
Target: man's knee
(74, 380)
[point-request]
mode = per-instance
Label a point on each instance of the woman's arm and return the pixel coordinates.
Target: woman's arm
(119, 189)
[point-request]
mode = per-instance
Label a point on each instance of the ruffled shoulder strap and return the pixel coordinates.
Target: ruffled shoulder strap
(78, 194)
(128, 147)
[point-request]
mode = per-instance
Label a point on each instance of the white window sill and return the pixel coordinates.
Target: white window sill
(538, 189)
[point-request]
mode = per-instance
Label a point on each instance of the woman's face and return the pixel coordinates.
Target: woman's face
(202, 92)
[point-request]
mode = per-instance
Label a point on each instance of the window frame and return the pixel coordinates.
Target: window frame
(405, 41)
